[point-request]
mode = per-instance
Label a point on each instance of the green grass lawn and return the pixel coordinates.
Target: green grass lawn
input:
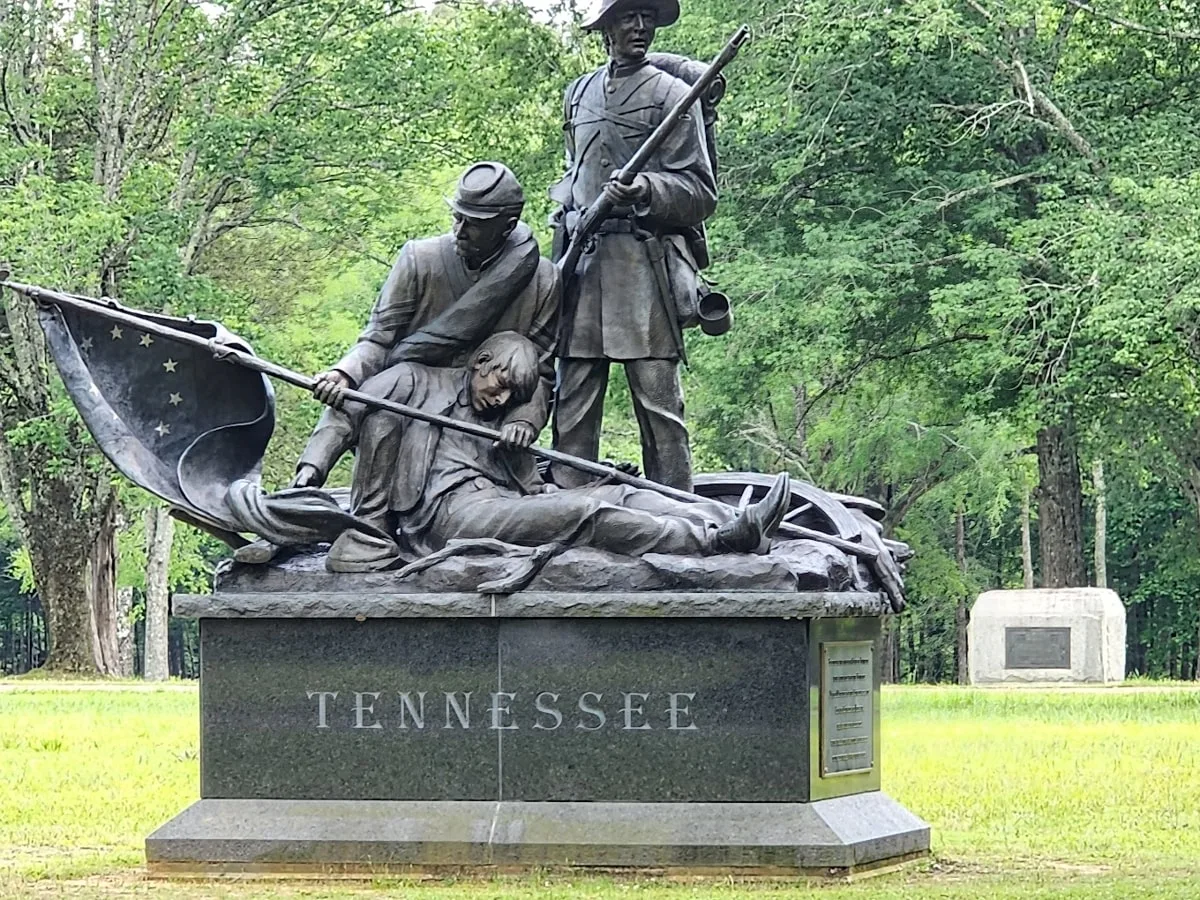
(1031, 794)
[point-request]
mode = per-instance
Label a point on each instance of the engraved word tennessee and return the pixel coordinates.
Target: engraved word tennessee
(503, 711)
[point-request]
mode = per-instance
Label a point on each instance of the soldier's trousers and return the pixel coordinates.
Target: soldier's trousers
(657, 403)
(613, 517)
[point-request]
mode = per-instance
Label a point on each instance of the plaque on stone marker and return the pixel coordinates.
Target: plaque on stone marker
(1037, 648)
(847, 685)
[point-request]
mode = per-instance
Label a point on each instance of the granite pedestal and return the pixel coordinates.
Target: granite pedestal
(385, 732)
(1047, 635)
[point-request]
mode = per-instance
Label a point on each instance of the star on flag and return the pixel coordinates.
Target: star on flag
(166, 412)
(174, 398)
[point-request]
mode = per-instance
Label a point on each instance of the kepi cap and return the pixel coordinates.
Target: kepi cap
(487, 190)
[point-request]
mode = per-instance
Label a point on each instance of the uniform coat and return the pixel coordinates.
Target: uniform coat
(434, 310)
(616, 312)
(621, 305)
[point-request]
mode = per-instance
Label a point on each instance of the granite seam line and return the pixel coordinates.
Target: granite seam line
(495, 720)
(491, 843)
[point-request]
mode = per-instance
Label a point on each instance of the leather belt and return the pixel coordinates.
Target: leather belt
(617, 226)
(612, 225)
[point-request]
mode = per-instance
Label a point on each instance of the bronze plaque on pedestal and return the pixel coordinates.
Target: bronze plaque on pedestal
(847, 714)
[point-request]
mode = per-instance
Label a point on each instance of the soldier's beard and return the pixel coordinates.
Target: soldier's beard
(475, 255)
(467, 251)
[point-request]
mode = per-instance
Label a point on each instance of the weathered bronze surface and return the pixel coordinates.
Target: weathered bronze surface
(441, 484)
(637, 286)
(1037, 648)
(308, 515)
(444, 296)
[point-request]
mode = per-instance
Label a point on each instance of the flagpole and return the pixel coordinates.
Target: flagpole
(110, 309)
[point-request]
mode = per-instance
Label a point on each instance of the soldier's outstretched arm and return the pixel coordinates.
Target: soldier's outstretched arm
(390, 319)
(332, 436)
(336, 432)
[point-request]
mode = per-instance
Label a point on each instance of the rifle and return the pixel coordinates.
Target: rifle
(602, 208)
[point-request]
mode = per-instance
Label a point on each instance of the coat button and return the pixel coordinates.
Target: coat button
(604, 162)
(611, 88)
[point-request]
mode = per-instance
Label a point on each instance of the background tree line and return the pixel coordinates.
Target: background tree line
(960, 237)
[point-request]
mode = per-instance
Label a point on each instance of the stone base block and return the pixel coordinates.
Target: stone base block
(1047, 636)
(836, 837)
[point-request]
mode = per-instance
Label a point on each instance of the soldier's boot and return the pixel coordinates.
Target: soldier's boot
(751, 531)
(358, 551)
(257, 553)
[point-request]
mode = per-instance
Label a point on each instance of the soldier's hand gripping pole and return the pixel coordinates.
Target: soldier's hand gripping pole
(602, 207)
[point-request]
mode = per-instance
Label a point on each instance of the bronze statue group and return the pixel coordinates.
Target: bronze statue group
(474, 345)
(477, 326)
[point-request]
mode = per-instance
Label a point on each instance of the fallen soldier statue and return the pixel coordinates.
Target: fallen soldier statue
(422, 485)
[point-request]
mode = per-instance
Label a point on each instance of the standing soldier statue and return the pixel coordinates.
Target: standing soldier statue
(634, 287)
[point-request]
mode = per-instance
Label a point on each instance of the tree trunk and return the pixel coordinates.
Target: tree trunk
(125, 632)
(960, 612)
(1060, 509)
(62, 586)
(160, 531)
(28, 634)
(78, 594)
(890, 668)
(102, 595)
(1101, 545)
(800, 434)
(1026, 545)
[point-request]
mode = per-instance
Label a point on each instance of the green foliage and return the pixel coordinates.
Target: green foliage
(260, 167)
(944, 226)
(1153, 534)
(194, 553)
